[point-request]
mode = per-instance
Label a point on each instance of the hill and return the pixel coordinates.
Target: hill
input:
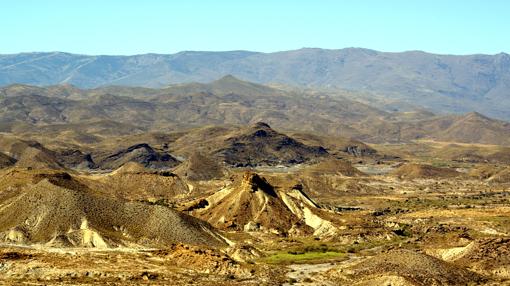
(142, 153)
(200, 167)
(468, 128)
(55, 211)
(261, 145)
(134, 182)
(419, 171)
(28, 153)
(251, 203)
(253, 145)
(331, 167)
(406, 267)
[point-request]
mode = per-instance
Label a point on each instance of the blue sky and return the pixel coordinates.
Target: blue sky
(157, 26)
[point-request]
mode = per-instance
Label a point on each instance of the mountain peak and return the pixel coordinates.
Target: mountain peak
(228, 78)
(232, 81)
(231, 84)
(261, 125)
(476, 115)
(252, 182)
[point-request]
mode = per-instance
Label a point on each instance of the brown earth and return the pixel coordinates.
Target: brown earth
(419, 171)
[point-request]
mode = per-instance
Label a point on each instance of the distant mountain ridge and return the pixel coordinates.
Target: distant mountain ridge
(441, 83)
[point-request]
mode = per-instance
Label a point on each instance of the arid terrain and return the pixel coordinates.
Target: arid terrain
(278, 143)
(106, 196)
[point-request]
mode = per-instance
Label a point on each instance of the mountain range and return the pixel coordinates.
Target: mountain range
(84, 116)
(440, 83)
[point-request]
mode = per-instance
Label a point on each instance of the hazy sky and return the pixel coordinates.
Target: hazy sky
(157, 26)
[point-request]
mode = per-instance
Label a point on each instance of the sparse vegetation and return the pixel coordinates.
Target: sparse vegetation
(247, 204)
(290, 257)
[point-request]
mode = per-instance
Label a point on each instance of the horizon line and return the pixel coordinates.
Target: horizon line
(250, 51)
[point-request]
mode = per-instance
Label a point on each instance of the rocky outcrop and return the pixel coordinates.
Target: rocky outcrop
(76, 159)
(261, 145)
(252, 204)
(359, 150)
